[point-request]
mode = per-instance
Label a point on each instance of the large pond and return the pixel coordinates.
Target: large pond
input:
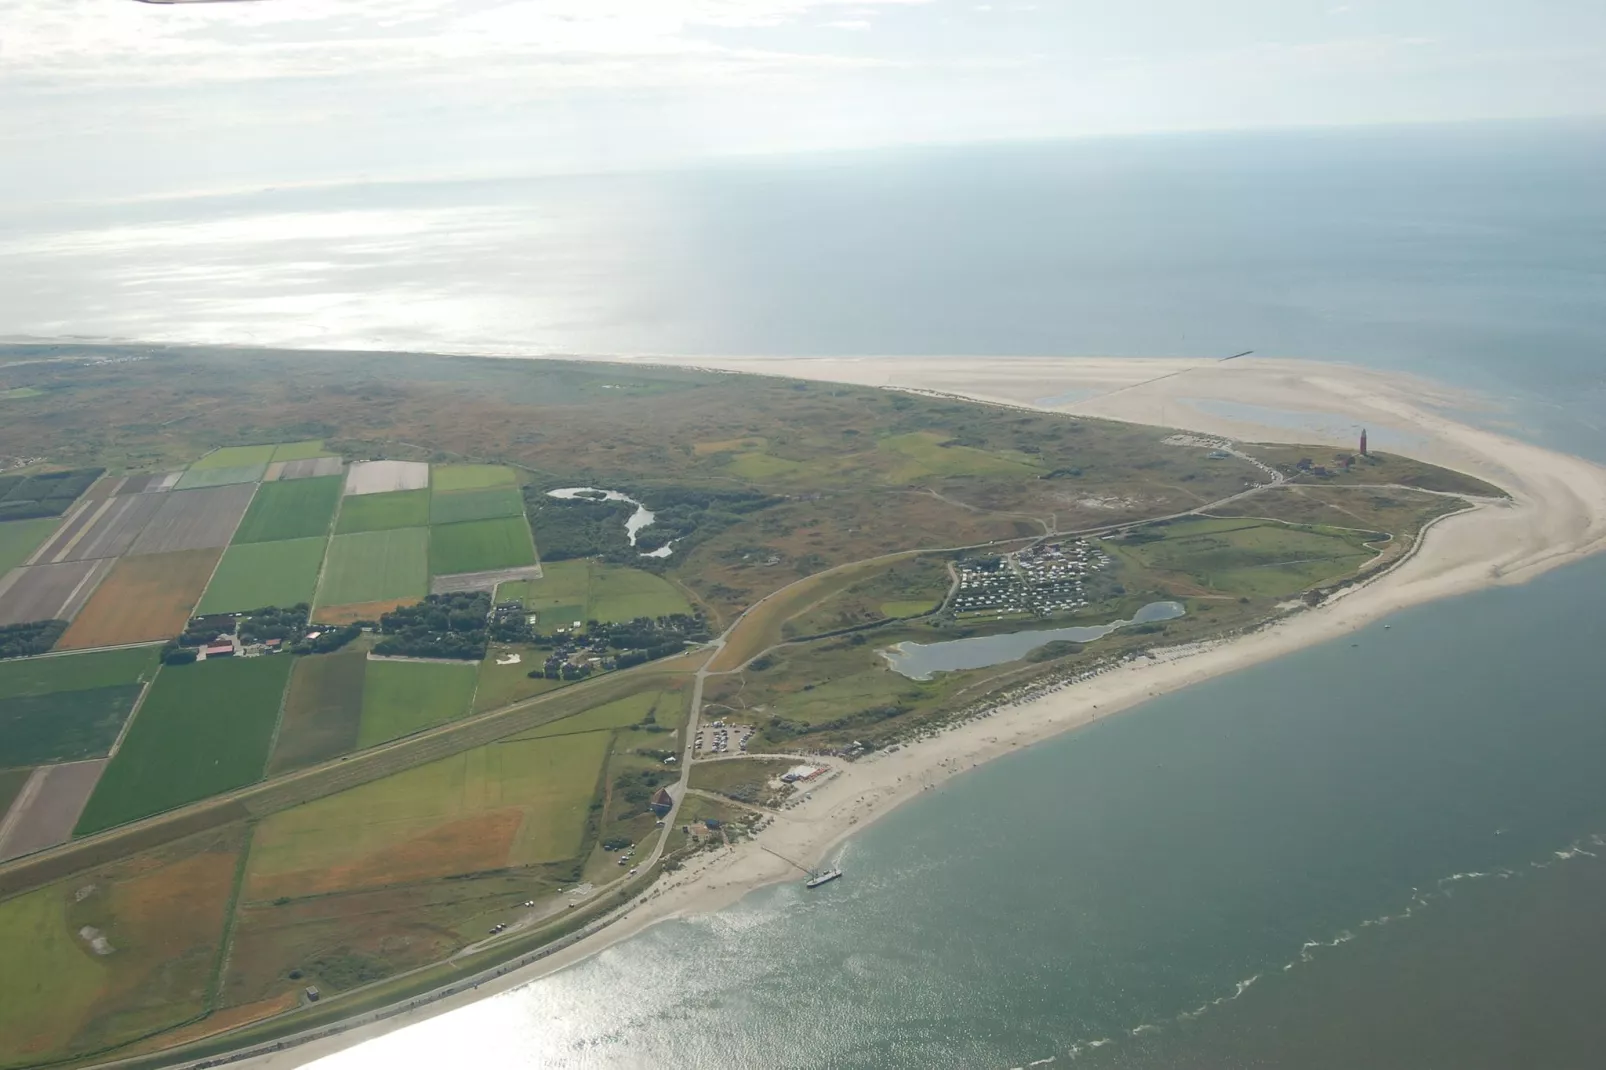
(919, 661)
(641, 518)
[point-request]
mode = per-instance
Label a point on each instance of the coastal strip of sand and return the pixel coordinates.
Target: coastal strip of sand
(1556, 514)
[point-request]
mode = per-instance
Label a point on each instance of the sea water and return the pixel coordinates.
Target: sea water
(1377, 852)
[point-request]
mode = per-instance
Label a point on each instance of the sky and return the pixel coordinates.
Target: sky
(117, 99)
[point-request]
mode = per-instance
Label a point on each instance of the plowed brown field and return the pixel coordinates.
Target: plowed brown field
(144, 599)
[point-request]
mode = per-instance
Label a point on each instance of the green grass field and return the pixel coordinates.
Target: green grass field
(162, 913)
(591, 590)
(300, 451)
(457, 506)
(19, 538)
(76, 672)
(383, 512)
(203, 729)
(219, 477)
(509, 803)
(49, 984)
(449, 477)
(619, 594)
(375, 566)
(664, 706)
(322, 710)
(236, 457)
(503, 684)
(480, 545)
(296, 509)
(67, 726)
(403, 697)
(923, 456)
(258, 574)
(1248, 557)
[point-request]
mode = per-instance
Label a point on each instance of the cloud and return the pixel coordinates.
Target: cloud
(70, 45)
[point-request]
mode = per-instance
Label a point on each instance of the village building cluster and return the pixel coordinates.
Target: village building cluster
(1047, 578)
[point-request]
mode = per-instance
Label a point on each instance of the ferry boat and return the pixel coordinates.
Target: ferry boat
(817, 879)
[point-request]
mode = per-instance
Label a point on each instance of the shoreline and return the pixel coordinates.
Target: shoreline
(1556, 515)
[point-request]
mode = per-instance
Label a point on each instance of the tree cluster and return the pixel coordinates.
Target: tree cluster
(638, 786)
(271, 622)
(441, 626)
(34, 637)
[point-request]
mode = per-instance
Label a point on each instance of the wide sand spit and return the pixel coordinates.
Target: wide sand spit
(1556, 515)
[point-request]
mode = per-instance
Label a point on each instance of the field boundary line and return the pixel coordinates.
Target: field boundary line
(225, 945)
(62, 521)
(13, 815)
(225, 550)
(133, 712)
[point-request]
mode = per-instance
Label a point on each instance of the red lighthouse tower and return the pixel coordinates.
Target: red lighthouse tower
(1363, 443)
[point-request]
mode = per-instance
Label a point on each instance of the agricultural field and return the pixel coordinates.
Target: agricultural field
(20, 538)
(511, 803)
(593, 590)
(203, 729)
(194, 520)
(11, 782)
(299, 451)
(665, 708)
(236, 457)
(480, 546)
(403, 697)
(457, 506)
(102, 529)
(49, 592)
(203, 478)
(115, 953)
(500, 685)
(376, 566)
(143, 600)
(383, 512)
(381, 477)
(67, 726)
(454, 477)
(42, 494)
(256, 574)
(322, 710)
(75, 672)
(309, 468)
(298, 509)
(49, 807)
(1261, 559)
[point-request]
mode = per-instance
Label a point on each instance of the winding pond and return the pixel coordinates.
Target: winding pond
(641, 518)
(919, 661)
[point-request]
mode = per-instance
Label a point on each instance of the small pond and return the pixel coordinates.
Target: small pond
(919, 661)
(641, 518)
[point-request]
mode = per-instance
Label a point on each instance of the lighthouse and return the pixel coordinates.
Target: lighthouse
(1363, 443)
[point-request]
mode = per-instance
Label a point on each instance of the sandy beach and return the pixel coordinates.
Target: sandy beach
(1557, 514)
